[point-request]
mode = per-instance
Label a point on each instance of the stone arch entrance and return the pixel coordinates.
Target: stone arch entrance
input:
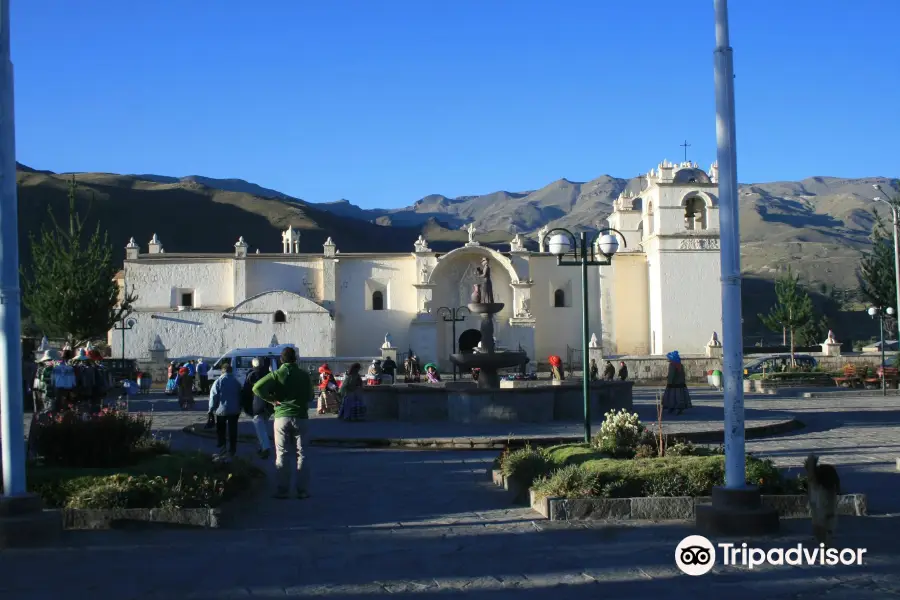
(468, 339)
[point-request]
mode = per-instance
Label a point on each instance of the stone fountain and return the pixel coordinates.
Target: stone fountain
(487, 360)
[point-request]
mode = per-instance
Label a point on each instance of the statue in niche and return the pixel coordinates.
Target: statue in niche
(524, 311)
(484, 289)
(471, 230)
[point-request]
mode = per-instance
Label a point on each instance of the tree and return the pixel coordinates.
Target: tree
(877, 280)
(70, 288)
(793, 308)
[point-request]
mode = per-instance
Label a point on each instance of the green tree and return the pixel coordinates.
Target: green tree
(877, 280)
(70, 289)
(793, 309)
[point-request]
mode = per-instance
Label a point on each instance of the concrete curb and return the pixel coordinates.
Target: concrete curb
(675, 508)
(484, 443)
(845, 393)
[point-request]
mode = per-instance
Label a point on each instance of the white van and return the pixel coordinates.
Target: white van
(241, 360)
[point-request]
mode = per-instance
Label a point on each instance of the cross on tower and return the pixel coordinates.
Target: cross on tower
(685, 145)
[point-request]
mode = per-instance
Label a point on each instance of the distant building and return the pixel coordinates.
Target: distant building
(661, 292)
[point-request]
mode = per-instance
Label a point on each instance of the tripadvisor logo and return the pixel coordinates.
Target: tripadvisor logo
(696, 555)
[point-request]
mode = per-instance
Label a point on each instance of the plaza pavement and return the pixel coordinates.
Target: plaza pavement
(423, 523)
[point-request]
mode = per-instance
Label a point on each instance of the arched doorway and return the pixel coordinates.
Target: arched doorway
(468, 339)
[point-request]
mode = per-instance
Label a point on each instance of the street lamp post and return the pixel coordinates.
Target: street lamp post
(880, 313)
(123, 327)
(452, 316)
(583, 255)
(896, 224)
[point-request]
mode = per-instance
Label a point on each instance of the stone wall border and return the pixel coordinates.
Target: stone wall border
(675, 508)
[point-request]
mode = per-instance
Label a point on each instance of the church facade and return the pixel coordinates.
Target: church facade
(661, 291)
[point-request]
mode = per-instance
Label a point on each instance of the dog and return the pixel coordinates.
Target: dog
(824, 485)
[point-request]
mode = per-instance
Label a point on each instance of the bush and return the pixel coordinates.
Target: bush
(525, 465)
(107, 439)
(668, 477)
(620, 434)
(173, 481)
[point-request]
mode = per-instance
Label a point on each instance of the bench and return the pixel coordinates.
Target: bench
(891, 377)
(850, 379)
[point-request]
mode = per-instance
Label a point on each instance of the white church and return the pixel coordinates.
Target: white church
(660, 293)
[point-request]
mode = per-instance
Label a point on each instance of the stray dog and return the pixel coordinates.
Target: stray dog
(824, 487)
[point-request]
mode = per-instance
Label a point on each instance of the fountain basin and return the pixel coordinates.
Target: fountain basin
(464, 402)
(485, 308)
(489, 360)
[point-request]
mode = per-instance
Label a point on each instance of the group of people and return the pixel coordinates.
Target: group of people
(186, 380)
(609, 371)
(64, 380)
(283, 394)
(343, 397)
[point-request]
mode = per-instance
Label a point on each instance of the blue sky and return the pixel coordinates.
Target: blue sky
(384, 101)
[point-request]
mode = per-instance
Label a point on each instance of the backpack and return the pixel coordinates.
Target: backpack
(63, 377)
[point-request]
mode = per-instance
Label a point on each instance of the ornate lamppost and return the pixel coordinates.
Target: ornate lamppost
(583, 255)
(453, 316)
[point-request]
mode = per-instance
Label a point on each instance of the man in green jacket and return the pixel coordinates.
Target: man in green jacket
(289, 389)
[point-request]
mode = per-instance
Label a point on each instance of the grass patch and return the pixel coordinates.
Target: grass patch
(175, 480)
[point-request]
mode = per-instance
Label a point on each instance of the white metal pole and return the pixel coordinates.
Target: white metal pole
(896, 273)
(732, 336)
(12, 430)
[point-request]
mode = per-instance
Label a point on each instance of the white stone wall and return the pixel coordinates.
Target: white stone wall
(685, 299)
(557, 328)
(301, 274)
(251, 324)
(157, 282)
(361, 330)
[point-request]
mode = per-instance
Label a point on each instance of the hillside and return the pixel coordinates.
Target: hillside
(818, 225)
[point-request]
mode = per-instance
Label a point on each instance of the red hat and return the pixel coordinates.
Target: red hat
(324, 369)
(555, 361)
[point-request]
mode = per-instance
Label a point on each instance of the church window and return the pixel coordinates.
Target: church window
(559, 299)
(187, 299)
(280, 317)
(377, 300)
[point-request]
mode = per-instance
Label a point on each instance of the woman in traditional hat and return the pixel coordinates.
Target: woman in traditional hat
(45, 392)
(431, 373)
(328, 401)
(373, 377)
(556, 370)
(676, 396)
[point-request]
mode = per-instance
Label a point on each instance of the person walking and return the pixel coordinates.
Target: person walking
(594, 370)
(290, 390)
(203, 374)
(225, 404)
(257, 408)
(623, 371)
(352, 406)
(676, 396)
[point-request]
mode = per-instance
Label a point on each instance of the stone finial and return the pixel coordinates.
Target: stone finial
(155, 246)
(274, 341)
(542, 236)
(388, 342)
(132, 250)
(329, 247)
(421, 245)
(714, 341)
(714, 172)
(290, 241)
(594, 343)
(257, 251)
(240, 247)
(830, 339)
(516, 245)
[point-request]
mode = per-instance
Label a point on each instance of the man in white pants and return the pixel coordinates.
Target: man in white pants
(260, 408)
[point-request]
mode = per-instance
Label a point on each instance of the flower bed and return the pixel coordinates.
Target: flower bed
(630, 472)
(109, 466)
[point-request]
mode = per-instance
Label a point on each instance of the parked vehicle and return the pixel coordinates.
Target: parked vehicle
(120, 369)
(776, 363)
(241, 360)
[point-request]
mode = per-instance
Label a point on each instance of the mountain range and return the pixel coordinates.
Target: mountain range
(818, 226)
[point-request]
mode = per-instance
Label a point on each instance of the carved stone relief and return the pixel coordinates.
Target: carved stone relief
(699, 244)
